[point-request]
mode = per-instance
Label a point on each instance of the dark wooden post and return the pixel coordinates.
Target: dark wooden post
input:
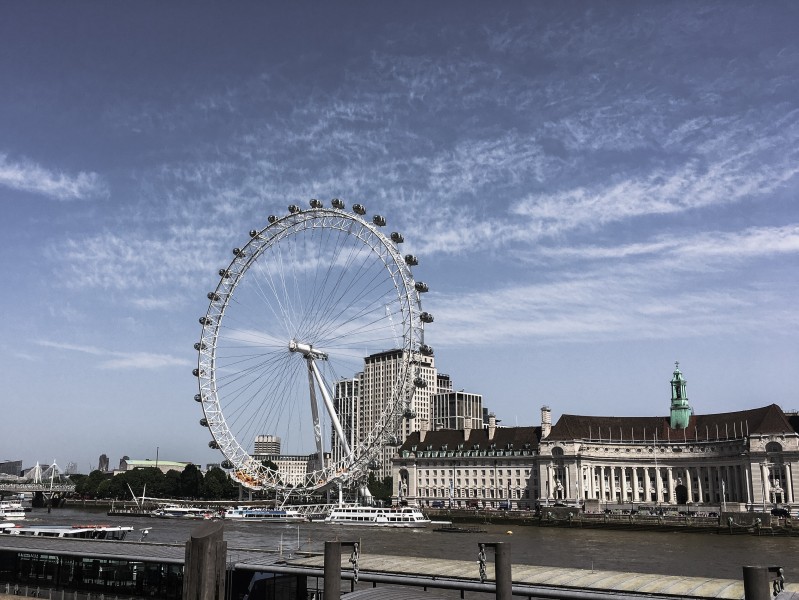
(332, 571)
(204, 569)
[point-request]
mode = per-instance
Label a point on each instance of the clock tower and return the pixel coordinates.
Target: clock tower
(680, 410)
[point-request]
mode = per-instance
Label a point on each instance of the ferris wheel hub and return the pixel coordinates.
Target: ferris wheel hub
(307, 350)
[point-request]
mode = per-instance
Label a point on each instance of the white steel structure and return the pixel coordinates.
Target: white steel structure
(298, 307)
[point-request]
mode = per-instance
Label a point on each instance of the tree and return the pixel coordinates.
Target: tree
(191, 482)
(380, 490)
(87, 486)
(217, 485)
(170, 487)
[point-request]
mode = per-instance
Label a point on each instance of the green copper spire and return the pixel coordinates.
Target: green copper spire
(680, 410)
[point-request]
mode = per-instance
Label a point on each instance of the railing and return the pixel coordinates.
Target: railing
(26, 591)
(37, 487)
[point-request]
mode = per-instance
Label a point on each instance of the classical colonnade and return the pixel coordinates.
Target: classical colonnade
(671, 484)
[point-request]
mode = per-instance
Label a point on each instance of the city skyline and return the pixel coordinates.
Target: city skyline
(593, 191)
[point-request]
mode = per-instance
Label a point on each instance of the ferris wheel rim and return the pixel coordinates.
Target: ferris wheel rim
(249, 471)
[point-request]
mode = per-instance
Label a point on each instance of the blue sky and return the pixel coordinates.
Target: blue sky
(594, 190)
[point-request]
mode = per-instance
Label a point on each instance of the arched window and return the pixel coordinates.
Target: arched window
(771, 447)
(557, 451)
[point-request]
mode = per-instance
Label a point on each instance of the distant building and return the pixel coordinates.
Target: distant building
(129, 464)
(267, 444)
(103, 464)
(11, 467)
(294, 469)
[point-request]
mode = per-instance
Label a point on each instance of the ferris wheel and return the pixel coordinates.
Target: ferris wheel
(301, 305)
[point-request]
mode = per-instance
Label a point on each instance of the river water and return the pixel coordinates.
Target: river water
(690, 554)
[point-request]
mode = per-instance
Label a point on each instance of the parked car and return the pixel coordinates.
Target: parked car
(781, 512)
(437, 504)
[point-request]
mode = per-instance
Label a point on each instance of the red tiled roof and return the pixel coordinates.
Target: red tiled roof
(478, 439)
(767, 419)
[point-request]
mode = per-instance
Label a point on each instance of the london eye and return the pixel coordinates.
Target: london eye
(293, 315)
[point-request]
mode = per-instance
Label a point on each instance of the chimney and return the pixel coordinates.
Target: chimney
(492, 426)
(546, 421)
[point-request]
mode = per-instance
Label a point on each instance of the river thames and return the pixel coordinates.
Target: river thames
(691, 554)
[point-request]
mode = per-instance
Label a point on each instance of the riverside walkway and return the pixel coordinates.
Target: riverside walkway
(390, 571)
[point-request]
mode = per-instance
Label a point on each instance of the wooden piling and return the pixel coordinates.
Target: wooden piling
(204, 569)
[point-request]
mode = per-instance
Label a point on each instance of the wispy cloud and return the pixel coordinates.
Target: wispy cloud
(698, 248)
(30, 177)
(120, 360)
(661, 192)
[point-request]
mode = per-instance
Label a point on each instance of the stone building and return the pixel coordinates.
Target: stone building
(487, 467)
(741, 460)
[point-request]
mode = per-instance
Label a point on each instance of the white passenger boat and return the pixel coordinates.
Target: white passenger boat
(401, 516)
(271, 515)
(11, 511)
(93, 532)
(175, 511)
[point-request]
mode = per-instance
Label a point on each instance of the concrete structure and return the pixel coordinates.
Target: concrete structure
(267, 444)
(11, 467)
(129, 464)
(457, 410)
(293, 468)
(360, 402)
(735, 461)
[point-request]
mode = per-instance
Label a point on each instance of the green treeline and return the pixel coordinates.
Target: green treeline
(153, 483)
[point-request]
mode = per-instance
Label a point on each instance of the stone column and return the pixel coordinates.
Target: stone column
(634, 474)
(689, 484)
(788, 484)
(748, 482)
(766, 491)
(711, 483)
(700, 488)
(670, 483)
(647, 486)
(659, 484)
(602, 485)
(623, 483)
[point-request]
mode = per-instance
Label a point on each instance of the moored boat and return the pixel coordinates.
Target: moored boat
(175, 511)
(450, 528)
(11, 511)
(266, 515)
(374, 516)
(94, 532)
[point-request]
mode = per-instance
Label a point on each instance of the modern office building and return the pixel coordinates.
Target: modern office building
(457, 410)
(103, 464)
(11, 467)
(267, 444)
(362, 402)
